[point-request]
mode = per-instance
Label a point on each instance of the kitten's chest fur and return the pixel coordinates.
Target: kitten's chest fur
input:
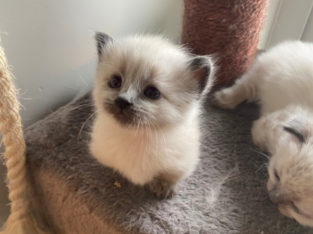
(140, 155)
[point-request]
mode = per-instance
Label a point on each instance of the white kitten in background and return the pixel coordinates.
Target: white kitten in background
(281, 80)
(147, 96)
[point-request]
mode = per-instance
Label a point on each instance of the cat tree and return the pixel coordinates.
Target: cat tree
(229, 29)
(61, 189)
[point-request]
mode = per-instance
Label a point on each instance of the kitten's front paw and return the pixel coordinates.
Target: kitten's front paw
(225, 99)
(161, 188)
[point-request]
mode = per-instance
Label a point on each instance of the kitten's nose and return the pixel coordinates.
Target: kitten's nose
(277, 197)
(122, 103)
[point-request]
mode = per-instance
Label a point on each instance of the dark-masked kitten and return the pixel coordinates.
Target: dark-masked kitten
(147, 96)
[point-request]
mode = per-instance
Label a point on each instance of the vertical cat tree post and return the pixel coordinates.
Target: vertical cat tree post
(229, 29)
(21, 219)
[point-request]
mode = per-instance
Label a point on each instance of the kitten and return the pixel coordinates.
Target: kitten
(281, 80)
(147, 96)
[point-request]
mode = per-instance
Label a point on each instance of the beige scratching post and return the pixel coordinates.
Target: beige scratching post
(21, 220)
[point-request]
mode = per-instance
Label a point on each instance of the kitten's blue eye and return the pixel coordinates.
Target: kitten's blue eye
(152, 92)
(115, 82)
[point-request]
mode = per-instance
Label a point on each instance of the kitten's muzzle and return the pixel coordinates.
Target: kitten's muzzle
(122, 110)
(285, 202)
(122, 103)
(278, 197)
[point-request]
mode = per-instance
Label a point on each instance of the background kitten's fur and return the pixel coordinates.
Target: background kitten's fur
(147, 96)
(282, 81)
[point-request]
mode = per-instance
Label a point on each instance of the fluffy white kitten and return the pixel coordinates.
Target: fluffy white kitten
(147, 97)
(282, 81)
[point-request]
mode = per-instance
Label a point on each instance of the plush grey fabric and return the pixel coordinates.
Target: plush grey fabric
(226, 194)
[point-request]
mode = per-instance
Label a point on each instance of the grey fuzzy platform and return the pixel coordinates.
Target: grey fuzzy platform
(225, 195)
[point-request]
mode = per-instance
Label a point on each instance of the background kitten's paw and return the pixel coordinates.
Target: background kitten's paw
(161, 188)
(225, 99)
(258, 132)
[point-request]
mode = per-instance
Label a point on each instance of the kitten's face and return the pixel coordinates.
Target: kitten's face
(290, 183)
(146, 81)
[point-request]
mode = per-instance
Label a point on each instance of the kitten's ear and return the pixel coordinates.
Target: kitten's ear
(102, 39)
(297, 129)
(202, 69)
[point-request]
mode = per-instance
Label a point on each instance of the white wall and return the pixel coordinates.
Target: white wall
(287, 20)
(267, 29)
(51, 48)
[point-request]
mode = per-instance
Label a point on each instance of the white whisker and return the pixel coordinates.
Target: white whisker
(84, 123)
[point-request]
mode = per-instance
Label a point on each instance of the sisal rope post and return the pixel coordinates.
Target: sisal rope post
(21, 220)
(228, 29)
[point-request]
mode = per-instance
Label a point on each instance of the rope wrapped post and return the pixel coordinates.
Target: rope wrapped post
(21, 220)
(229, 29)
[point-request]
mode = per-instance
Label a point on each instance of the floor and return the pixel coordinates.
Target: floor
(4, 208)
